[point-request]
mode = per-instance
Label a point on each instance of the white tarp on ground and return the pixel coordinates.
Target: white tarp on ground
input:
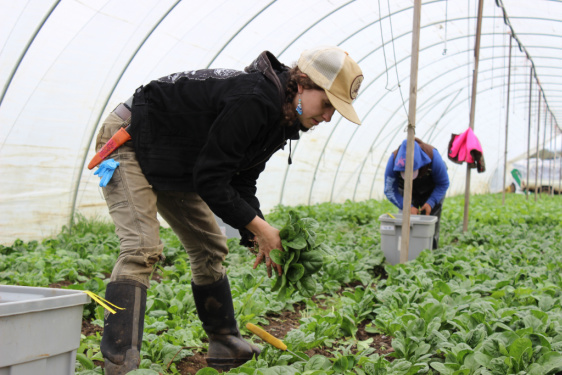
(64, 65)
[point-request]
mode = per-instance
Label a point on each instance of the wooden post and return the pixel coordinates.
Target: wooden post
(537, 152)
(543, 146)
(529, 132)
(551, 175)
(506, 120)
(405, 242)
(473, 109)
(560, 157)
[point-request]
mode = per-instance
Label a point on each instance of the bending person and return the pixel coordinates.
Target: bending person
(430, 183)
(200, 140)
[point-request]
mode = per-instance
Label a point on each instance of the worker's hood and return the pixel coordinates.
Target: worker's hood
(420, 157)
(268, 65)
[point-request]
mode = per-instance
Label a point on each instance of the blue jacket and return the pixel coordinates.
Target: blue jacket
(431, 184)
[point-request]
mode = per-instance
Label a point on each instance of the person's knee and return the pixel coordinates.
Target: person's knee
(137, 264)
(207, 271)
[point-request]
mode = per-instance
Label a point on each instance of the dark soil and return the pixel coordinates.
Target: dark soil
(279, 325)
(61, 284)
(191, 365)
(89, 329)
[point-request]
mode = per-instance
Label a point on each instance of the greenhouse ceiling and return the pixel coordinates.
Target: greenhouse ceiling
(66, 64)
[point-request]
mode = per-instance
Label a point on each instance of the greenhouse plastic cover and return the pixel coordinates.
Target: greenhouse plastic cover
(64, 65)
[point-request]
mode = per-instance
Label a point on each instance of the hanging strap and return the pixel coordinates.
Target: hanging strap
(102, 301)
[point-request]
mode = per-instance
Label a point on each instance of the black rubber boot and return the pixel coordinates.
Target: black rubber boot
(122, 331)
(227, 349)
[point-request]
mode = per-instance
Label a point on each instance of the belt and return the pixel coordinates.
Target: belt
(123, 112)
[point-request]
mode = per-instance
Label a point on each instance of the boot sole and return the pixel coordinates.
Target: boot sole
(131, 362)
(225, 364)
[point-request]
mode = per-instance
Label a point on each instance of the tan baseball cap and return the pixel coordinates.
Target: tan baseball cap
(332, 69)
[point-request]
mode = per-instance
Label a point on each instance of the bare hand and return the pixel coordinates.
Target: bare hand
(268, 263)
(267, 238)
(427, 208)
(413, 211)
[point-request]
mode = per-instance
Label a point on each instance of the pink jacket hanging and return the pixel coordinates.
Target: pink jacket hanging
(466, 147)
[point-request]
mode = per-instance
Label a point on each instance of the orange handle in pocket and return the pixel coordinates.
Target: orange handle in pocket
(113, 144)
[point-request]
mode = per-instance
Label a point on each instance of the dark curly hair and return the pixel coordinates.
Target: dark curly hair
(295, 78)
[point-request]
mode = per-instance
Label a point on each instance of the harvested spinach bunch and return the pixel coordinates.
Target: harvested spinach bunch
(303, 256)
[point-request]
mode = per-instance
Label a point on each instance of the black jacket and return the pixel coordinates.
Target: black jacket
(212, 131)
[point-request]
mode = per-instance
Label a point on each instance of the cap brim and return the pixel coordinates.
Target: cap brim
(344, 108)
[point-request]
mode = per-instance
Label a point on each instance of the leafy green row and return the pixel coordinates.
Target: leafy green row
(472, 307)
(489, 304)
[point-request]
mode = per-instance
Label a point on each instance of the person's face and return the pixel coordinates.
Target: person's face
(316, 107)
(414, 174)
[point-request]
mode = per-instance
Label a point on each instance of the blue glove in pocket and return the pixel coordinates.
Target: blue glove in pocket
(105, 171)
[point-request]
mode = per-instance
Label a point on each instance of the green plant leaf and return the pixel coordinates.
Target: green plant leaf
(307, 286)
(295, 273)
(248, 280)
(277, 256)
(551, 362)
(318, 362)
(86, 362)
(207, 371)
(341, 364)
(289, 261)
(521, 349)
(312, 261)
(277, 285)
(297, 243)
(441, 368)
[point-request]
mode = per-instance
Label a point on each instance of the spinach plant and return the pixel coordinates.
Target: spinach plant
(303, 256)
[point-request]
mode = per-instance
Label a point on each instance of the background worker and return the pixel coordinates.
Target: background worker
(200, 140)
(430, 181)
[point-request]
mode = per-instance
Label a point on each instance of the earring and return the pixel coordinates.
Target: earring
(299, 106)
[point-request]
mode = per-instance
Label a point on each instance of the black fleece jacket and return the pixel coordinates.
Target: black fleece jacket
(212, 131)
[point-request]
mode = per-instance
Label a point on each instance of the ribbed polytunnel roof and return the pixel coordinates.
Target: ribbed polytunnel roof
(64, 65)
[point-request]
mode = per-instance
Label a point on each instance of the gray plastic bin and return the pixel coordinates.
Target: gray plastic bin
(422, 228)
(39, 330)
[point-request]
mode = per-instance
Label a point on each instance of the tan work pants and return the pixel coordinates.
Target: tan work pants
(133, 205)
